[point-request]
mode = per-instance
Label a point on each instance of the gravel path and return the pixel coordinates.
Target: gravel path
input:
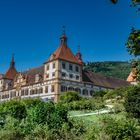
(95, 113)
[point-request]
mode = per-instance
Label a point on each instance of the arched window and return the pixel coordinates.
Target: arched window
(85, 92)
(22, 92)
(31, 92)
(35, 91)
(41, 90)
(91, 93)
(63, 88)
(5, 96)
(78, 90)
(12, 94)
(26, 91)
(70, 89)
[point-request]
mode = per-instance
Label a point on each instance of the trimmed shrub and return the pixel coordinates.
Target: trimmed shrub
(70, 96)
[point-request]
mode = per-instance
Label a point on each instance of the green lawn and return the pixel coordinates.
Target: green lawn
(90, 120)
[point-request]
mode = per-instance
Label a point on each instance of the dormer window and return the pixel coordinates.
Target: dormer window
(6, 86)
(37, 78)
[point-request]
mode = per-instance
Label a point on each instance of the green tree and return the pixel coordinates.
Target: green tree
(133, 43)
(70, 96)
(14, 108)
(132, 102)
(134, 2)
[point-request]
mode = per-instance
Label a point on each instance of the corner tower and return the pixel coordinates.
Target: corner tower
(11, 72)
(62, 67)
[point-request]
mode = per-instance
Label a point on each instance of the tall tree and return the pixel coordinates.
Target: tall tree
(134, 2)
(133, 42)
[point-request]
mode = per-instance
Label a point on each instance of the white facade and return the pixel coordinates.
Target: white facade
(62, 72)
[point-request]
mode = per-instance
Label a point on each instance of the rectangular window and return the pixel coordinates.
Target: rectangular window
(77, 77)
(53, 74)
(63, 65)
(47, 76)
(77, 69)
(63, 88)
(46, 89)
(71, 75)
(48, 67)
(63, 74)
(53, 65)
(52, 88)
(70, 67)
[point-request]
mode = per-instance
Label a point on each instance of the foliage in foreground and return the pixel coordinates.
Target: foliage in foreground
(110, 128)
(132, 102)
(73, 101)
(33, 119)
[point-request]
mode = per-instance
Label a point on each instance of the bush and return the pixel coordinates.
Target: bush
(118, 107)
(100, 93)
(132, 102)
(40, 114)
(110, 128)
(85, 104)
(14, 108)
(120, 129)
(119, 92)
(29, 103)
(70, 96)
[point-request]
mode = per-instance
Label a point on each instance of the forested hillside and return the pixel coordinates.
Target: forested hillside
(117, 69)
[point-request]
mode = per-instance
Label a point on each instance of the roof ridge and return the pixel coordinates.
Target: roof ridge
(100, 74)
(32, 69)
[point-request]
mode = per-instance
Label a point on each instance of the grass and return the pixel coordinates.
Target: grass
(94, 119)
(72, 113)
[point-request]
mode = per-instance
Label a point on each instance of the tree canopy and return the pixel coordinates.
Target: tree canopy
(134, 2)
(133, 42)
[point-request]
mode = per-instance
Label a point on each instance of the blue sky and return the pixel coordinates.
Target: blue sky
(31, 29)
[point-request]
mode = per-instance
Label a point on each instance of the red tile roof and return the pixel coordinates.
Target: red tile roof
(64, 52)
(11, 73)
(103, 81)
(30, 74)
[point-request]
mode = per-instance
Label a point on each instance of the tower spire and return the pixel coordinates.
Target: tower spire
(64, 30)
(63, 38)
(12, 63)
(78, 48)
(79, 55)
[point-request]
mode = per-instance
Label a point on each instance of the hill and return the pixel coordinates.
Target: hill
(117, 69)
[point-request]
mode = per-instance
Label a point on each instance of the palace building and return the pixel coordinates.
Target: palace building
(63, 71)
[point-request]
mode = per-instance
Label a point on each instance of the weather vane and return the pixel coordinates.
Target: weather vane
(78, 48)
(64, 29)
(13, 54)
